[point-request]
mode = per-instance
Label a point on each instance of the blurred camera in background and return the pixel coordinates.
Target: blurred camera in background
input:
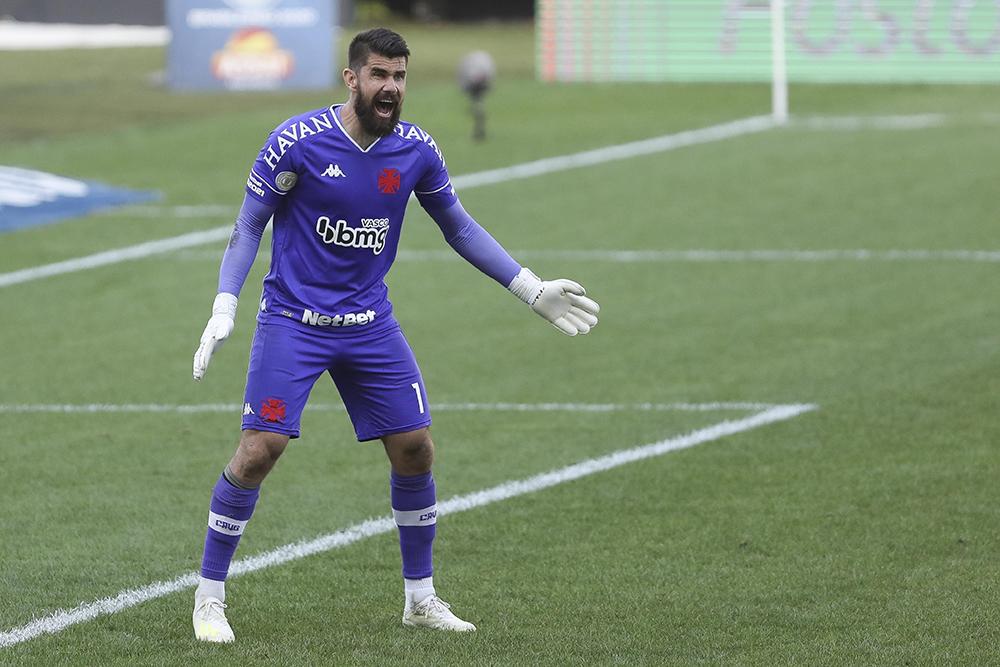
(476, 72)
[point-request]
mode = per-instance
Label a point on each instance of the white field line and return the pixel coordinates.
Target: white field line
(548, 165)
(60, 620)
(113, 408)
(176, 211)
(630, 150)
(920, 121)
(703, 255)
(115, 256)
(855, 123)
(815, 123)
(674, 256)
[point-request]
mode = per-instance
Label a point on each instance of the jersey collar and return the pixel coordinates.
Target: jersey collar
(336, 119)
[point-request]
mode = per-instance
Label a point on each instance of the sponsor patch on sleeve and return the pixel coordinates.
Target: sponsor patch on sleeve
(255, 184)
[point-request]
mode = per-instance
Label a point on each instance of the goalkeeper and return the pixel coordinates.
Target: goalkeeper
(336, 181)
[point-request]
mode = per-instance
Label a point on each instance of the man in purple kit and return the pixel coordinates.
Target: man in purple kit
(337, 181)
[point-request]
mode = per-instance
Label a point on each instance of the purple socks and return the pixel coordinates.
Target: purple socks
(414, 506)
(227, 517)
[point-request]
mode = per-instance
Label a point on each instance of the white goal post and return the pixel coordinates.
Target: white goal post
(769, 41)
(779, 70)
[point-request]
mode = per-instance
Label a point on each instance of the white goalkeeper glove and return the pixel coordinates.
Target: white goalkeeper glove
(219, 326)
(562, 302)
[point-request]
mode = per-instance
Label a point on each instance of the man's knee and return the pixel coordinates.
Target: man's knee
(256, 455)
(411, 453)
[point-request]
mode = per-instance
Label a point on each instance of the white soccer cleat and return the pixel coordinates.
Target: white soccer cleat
(210, 624)
(433, 612)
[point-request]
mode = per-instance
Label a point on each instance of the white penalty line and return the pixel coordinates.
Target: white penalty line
(855, 123)
(705, 255)
(891, 122)
(490, 177)
(60, 620)
(176, 211)
(682, 256)
(116, 256)
(812, 123)
(112, 408)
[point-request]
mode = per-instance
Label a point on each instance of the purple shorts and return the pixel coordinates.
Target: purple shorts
(376, 375)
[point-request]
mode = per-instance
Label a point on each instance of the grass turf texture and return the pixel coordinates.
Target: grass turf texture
(862, 533)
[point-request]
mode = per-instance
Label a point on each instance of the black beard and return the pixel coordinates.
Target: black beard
(373, 124)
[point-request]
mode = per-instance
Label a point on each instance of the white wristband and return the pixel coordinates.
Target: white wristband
(225, 304)
(526, 286)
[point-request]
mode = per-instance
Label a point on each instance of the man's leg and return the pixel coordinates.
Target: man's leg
(414, 506)
(284, 364)
(233, 501)
(379, 381)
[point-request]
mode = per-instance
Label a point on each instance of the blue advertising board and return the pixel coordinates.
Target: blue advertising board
(29, 197)
(250, 44)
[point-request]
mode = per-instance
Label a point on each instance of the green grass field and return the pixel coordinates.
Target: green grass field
(863, 532)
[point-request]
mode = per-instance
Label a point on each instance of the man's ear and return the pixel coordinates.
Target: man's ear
(350, 79)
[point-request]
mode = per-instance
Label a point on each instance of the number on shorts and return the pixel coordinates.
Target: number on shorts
(420, 399)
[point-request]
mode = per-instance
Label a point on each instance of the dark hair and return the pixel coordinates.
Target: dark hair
(382, 41)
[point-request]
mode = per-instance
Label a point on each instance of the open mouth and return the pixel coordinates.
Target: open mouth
(384, 106)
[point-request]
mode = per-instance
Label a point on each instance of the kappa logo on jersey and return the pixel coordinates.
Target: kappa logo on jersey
(273, 410)
(388, 181)
(247, 410)
(334, 171)
(370, 235)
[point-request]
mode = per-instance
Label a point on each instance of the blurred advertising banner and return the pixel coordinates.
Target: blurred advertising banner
(250, 44)
(730, 40)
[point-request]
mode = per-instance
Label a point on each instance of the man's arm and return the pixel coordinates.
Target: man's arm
(562, 302)
(236, 262)
(475, 244)
(243, 244)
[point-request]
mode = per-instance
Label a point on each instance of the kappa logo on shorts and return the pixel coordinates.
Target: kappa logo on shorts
(272, 410)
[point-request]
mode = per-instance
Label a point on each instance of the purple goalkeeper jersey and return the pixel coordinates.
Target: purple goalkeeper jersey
(338, 217)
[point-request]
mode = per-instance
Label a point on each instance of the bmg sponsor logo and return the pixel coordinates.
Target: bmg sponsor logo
(370, 235)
